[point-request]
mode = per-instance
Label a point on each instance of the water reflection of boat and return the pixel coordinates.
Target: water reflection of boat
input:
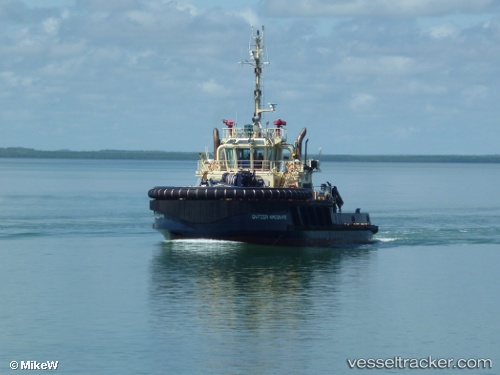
(248, 281)
(244, 309)
(257, 188)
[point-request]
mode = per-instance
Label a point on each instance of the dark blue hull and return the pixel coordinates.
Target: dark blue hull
(290, 222)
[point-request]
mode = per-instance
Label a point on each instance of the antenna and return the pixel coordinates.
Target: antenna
(256, 52)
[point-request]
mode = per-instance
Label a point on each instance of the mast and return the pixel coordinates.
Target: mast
(256, 54)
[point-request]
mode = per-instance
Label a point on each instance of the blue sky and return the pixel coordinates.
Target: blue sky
(364, 76)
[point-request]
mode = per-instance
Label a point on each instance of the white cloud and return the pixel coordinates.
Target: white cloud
(182, 5)
(406, 132)
(246, 14)
(142, 64)
(349, 8)
(426, 88)
(62, 68)
(213, 88)
(443, 31)
(381, 66)
(142, 18)
(474, 94)
(14, 80)
(135, 58)
(362, 101)
(51, 26)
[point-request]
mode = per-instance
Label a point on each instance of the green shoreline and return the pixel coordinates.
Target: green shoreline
(21, 152)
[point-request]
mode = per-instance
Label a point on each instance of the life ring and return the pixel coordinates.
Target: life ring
(291, 167)
(212, 166)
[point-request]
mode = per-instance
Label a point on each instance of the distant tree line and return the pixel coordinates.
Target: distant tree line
(414, 158)
(21, 152)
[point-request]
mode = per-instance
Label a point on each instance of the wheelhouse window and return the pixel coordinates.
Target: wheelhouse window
(228, 154)
(261, 157)
(243, 156)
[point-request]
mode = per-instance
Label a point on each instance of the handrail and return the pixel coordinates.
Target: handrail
(264, 165)
(249, 132)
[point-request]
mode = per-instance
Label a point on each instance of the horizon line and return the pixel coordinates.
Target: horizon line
(30, 153)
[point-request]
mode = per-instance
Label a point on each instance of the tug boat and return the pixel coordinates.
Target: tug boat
(257, 188)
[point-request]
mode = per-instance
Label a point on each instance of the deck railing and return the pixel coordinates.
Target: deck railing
(264, 165)
(248, 132)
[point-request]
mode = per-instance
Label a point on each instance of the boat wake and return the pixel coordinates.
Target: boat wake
(198, 241)
(385, 239)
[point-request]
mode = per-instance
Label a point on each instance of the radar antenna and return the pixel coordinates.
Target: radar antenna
(256, 55)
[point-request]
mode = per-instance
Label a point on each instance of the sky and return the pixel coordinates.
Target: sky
(363, 76)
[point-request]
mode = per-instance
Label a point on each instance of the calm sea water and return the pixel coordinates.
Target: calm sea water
(85, 281)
